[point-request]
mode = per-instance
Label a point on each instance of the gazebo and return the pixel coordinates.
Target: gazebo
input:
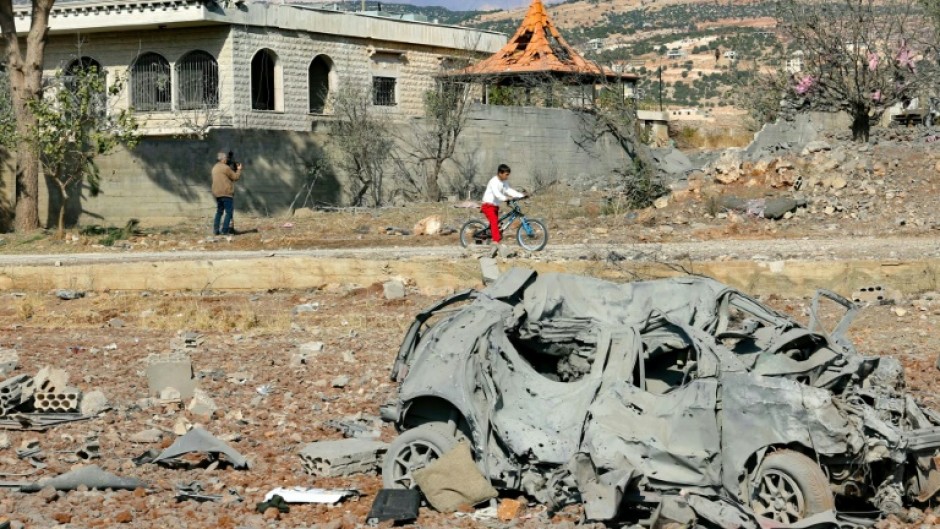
(536, 61)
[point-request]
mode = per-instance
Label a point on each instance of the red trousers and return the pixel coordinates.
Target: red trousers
(491, 212)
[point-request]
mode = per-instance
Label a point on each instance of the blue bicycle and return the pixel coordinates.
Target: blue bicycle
(532, 234)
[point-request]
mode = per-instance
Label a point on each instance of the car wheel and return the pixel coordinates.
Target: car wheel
(790, 487)
(415, 449)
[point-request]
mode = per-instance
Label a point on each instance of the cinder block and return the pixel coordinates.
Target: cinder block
(170, 371)
(342, 458)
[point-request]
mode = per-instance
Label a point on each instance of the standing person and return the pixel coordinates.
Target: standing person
(497, 191)
(223, 189)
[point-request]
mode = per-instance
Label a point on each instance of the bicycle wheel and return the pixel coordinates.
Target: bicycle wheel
(535, 238)
(474, 232)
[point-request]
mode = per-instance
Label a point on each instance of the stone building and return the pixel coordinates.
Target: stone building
(252, 77)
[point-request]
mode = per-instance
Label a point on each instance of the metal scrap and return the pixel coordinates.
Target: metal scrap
(91, 476)
(199, 440)
(575, 389)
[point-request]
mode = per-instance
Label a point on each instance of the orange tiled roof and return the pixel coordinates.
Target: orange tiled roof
(536, 47)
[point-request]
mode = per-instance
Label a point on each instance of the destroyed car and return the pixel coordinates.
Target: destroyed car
(575, 389)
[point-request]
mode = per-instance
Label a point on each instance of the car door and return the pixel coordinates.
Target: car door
(668, 432)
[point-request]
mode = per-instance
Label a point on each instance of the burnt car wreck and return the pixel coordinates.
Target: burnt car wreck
(681, 400)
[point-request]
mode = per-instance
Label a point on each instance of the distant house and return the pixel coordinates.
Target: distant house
(595, 44)
(794, 63)
(675, 54)
(731, 55)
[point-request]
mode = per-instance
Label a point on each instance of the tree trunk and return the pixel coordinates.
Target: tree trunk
(62, 203)
(433, 186)
(25, 72)
(861, 125)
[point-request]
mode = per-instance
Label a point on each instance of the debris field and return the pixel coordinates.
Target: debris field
(266, 379)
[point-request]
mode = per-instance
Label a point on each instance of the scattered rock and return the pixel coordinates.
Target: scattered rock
(394, 289)
(147, 436)
(489, 269)
(899, 312)
(68, 295)
(202, 404)
(9, 359)
(510, 510)
(4, 441)
(62, 517)
(429, 226)
(340, 381)
(93, 403)
(305, 308)
(116, 323)
(816, 146)
(778, 207)
(124, 517)
(661, 203)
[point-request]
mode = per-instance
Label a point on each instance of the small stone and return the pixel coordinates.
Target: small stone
(489, 269)
(68, 295)
(124, 517)
(306, 307)
(271, 513)
(182, 426)
(62, 517)
(509, 510)
(202, 404)
(311, 348)
(899, 312)
(661, 202)
(48, 494)
(147, 436)
(340, 381)
(394, 289)
(4, 441)
(93, 403)
(116, 323)
(170, 394)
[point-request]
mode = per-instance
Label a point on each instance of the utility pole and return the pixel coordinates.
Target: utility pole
(660, 72)
(363, 6)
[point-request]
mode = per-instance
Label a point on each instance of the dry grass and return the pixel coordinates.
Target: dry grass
(689, 137)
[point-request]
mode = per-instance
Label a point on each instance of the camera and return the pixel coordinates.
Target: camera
(231, 161)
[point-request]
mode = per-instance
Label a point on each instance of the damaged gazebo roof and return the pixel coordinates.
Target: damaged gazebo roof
(537, 49)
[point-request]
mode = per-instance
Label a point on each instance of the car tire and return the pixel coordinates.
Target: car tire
(790, 487)
(414, 449)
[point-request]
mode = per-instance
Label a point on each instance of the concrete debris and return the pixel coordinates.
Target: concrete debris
(91, 448)
(60, 401)
(181, 426)
(147, 436)
(199, 440)
(356, 428)
(816, 146)
(9, 359)
(49, 380)
(187, 340)
(577, 390)
(342, 458)
(91, 476)
(876, 295)
(170, 371)
(12, 393)
(510, 510)
(306, 308)
(489, 269)
(68, 295)
(393, 289)
(94, 403)
(454, 480)
(429, 226)
(4, 441)
(340, 381)
(202, 404)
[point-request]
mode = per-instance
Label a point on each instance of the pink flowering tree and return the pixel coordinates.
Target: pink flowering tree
(859, 56)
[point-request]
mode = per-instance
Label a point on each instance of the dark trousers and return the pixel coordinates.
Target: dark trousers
(223, 205)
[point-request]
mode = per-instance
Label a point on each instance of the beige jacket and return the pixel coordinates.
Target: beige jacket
(223, 180)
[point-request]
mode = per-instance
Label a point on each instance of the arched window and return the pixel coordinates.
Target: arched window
(150, 83)
(91, 67)
(265, 81)
(197, 78)
(321, 80)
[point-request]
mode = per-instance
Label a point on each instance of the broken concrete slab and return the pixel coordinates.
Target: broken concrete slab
(393, 289)
(342, 458)
(59, 401)
(147, 436)
(490, 270)
(91, 476)
(778, 207)
(9, 360)
(199, 440)
(171, 371)
(454, 480)
(49, 380)
(12, 392)
(202, 404)
(93, 403)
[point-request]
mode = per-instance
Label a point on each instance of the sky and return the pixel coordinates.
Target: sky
(469, 5)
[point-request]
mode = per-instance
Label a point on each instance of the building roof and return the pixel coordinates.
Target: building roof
(537, 48)
(89, 16)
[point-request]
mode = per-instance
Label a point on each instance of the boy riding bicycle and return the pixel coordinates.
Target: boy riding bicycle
(498, 191)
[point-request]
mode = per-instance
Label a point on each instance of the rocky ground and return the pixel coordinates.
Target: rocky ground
(248, 341)
(884, 189)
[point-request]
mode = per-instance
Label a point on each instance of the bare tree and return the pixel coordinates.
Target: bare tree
(362, 137)
(25, 68)
(433, 142)
(860, 56)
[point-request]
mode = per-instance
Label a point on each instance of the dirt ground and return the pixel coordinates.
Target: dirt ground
(896, 199)
(253, 336)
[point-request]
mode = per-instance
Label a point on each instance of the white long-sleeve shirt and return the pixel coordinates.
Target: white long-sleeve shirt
(498, 191)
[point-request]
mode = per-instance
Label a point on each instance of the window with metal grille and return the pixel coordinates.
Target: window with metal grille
(262, 80)
(197, 78)
(383, 91)
(150, 83)
(91, 67)
(318, 78)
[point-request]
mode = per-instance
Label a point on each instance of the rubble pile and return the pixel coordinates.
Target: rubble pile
(48, 392)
